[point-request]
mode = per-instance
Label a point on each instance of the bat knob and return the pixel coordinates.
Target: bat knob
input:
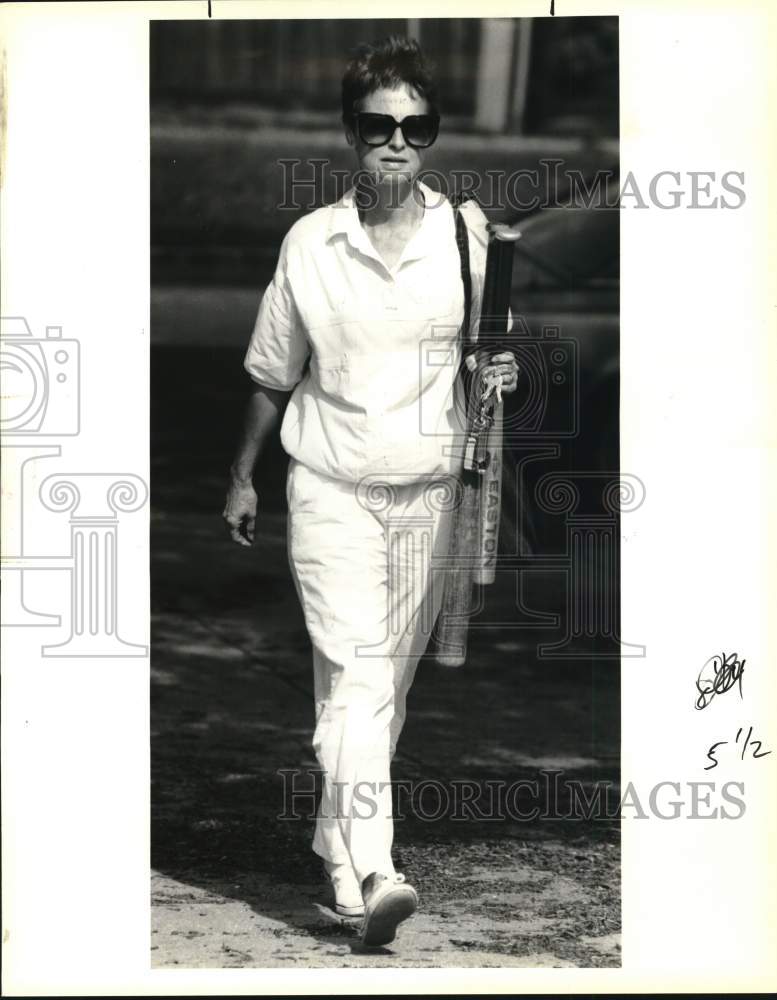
(506, 234)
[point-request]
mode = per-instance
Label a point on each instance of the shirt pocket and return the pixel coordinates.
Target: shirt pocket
(444, 305)
(370, 381)
(333, 374)
(436, 288)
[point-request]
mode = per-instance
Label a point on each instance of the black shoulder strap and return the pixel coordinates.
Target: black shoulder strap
(462, 241)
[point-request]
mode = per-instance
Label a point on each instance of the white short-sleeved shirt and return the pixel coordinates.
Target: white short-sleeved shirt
(370, 351)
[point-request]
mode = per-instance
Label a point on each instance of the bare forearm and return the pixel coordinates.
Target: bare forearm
(262, 414)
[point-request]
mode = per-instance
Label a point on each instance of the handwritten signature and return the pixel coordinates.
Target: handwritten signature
(717, 675)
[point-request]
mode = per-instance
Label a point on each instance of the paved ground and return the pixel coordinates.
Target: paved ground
(235, 886)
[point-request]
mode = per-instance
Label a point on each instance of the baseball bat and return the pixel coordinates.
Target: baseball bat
(475, 522)
(490, 503)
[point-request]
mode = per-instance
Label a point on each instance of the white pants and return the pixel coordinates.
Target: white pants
(363, 561)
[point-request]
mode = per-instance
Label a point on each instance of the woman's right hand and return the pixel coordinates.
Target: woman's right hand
(240, 511)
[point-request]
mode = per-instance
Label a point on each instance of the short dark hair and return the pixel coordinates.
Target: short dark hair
(387, 63)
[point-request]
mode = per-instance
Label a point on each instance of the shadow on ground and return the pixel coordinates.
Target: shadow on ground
(234, 885)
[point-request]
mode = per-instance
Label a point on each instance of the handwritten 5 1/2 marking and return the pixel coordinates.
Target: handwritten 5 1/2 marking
(757, 753)
(717, 675)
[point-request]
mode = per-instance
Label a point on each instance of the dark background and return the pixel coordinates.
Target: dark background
(230, 660)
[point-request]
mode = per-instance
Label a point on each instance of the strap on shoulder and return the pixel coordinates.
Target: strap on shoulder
(462, 241)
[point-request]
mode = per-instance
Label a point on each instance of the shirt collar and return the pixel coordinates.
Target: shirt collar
(344, 218)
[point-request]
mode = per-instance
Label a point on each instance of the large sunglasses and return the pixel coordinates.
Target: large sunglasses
(419, 131)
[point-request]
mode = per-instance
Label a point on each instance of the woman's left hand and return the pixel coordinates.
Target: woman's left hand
(504, 364)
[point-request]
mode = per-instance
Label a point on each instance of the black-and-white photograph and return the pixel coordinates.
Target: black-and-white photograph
(387, 481)
(385, 493)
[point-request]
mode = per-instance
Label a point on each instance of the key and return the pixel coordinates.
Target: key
(492, 383)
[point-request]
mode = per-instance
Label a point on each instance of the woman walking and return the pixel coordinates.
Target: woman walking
(339, 352)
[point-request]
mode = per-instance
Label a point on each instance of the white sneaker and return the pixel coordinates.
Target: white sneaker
(388, 900)
(348, 897)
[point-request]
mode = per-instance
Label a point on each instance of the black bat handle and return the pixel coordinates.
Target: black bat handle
(498, 280)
